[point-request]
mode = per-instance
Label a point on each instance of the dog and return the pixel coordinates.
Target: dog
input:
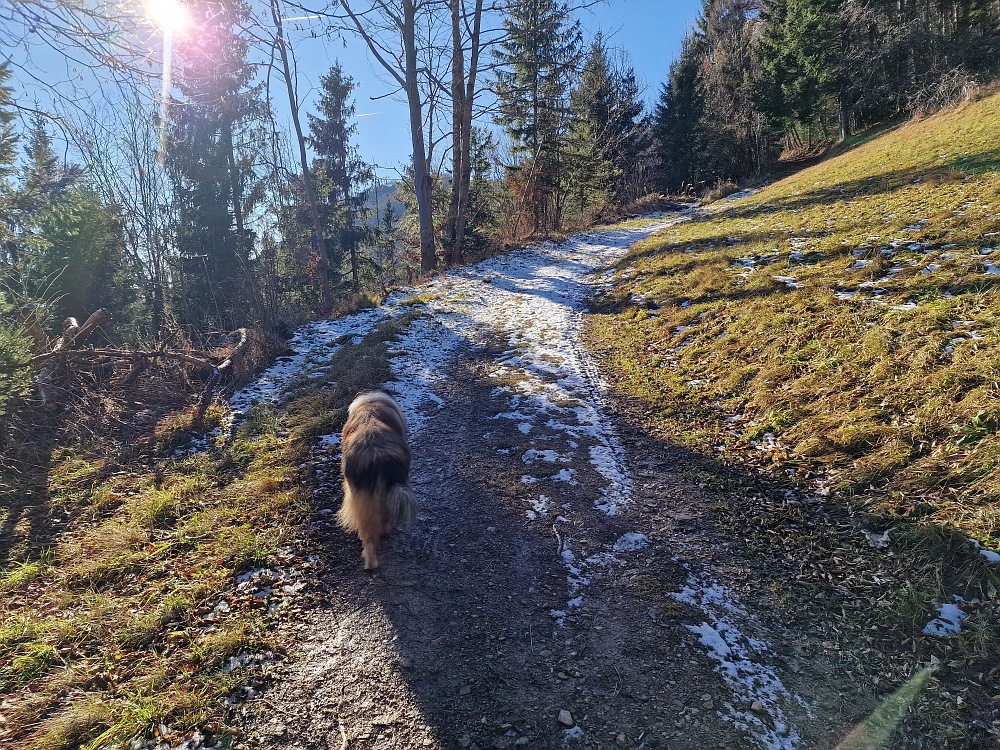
(376, 468)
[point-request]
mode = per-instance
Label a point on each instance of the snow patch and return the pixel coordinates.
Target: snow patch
(631, 542)
(744, 664)
(948, 623)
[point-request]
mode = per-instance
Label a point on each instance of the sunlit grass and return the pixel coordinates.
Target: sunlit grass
(888, 390)
(112, 613)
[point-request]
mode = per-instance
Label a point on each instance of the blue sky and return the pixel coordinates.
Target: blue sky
(650, 30)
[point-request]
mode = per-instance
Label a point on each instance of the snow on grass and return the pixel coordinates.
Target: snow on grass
(743, 663)
(313, 345)
(788, 281)
(418, 362)
(948, 623)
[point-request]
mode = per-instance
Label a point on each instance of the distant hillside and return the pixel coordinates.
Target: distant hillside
(376, 197)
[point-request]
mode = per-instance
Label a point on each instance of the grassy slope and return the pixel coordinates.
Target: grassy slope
(103, 634)
(893, 412)
(900, 405)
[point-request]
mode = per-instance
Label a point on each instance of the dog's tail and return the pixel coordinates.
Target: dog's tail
(401, 504)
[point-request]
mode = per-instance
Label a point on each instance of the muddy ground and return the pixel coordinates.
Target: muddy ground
(543, 599)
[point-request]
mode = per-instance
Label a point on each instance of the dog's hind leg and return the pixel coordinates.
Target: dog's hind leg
(369, 552)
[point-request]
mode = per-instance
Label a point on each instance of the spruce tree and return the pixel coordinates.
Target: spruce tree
(330, 133)
(210, 158)
(605, 130)
(537, 59)
(801, 54)
(678, 119)
(8, 161)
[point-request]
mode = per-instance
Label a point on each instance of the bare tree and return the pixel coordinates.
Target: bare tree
(389, 28)
(463, 93)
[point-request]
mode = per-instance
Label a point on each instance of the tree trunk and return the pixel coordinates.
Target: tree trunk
(845, 118)
(457, 129)
(422, 180)
(466, 123)
(324, 258)
(234, 180)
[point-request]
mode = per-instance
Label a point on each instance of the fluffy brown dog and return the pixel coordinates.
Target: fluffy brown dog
(376, 469)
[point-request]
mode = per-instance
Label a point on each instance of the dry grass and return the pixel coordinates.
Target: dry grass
(865, 379)
(876, 374)
(103, 634)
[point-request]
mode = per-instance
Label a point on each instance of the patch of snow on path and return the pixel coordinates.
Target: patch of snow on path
(743, 663)
(314, 344)
(418, 362)
(536, 298)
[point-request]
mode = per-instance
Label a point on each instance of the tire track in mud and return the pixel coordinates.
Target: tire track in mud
(541, 600)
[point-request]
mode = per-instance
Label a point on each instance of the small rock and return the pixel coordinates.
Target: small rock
(757, 707)
(706, 697)
(427, 742)
(276, 730)
(465, 690)
(621, 740)
(565, 718)
(562, 675)
(521, 741)
(708, 705)
(464, 741)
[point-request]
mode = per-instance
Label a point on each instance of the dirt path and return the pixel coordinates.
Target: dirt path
(564, 583)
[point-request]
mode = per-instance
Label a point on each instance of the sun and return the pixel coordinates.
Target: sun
(169, 15)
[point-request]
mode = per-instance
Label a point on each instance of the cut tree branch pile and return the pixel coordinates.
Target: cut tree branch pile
(67, 352)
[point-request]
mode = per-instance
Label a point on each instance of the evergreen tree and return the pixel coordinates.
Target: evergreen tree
(210, 154)
(8, 115)
(330, 133)
(708, 124)
(538, 57)
(75, 256)
(605, 131)
(8, 161)
(677, 121)
(42, 181)
(801, 55)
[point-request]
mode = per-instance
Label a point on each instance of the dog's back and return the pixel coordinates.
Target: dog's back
(376, 469)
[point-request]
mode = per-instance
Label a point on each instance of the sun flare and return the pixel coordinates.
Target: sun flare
(169, 15)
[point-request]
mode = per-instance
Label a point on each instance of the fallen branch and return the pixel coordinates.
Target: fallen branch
(73, 336)
(122, 354)
(217, 373)
(64, 353)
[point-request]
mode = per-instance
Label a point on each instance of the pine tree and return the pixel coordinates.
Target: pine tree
(605, 129)
(209, 158)
(677, 121)
(708, 124)
(8, 161)
(68, 252)
(538, 57)
(43, 181)
(8, 115)
(344, 170)
(801, 56)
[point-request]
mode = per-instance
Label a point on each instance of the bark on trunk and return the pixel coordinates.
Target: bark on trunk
(422, 180)
(457, 128)
(462, 211)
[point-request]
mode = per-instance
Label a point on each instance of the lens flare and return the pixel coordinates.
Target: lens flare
(169, 15)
